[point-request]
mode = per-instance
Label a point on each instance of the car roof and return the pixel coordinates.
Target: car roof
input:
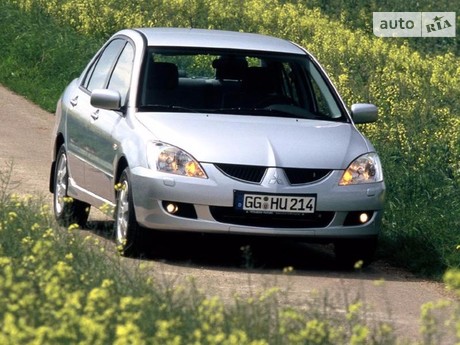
(182, 37)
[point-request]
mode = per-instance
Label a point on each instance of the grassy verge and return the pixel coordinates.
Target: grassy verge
(47, 43)
(39, 56)
(58, 287)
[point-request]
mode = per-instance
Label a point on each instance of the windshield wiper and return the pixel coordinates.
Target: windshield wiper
(240, 111)
(280, 110)
(167, 107)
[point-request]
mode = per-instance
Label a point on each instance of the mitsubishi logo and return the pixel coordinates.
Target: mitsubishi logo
(276, 179)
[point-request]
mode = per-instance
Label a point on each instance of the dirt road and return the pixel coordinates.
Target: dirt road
(219, 265)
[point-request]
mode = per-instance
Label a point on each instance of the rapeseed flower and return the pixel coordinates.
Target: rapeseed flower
(354, 310)
(288, 270)
(12, 215)
(69, 256)
(35, 227)
(73, 227)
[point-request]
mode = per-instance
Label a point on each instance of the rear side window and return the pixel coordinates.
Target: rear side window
(98, 74)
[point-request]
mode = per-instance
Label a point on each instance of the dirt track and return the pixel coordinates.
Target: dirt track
(217, 264)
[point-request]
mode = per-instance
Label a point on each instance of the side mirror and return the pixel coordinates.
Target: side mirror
(106, 99)
(364, 113)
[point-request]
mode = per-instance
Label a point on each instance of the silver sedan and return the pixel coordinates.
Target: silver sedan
(215, 131)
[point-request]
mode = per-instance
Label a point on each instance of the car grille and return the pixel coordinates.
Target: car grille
(301, 176)
(255, 174)
(229, 215)
(248, 173)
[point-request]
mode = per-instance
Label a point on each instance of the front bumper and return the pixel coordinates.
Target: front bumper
(209, 205)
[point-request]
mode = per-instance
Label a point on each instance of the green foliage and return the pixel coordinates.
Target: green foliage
(357, 14)
(38, 56)
(415, 83)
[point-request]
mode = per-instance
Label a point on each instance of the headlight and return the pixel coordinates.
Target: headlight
(364, 169)
(170, 159)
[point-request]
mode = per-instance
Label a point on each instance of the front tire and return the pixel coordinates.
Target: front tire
(127, 230)
(67, 211)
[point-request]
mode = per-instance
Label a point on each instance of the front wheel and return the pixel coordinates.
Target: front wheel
(127, 230)
(66, 210)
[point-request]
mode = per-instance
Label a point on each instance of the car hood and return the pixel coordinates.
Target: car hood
(259, 140)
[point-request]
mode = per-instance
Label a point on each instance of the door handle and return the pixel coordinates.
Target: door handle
(95, 115)
(74, 101)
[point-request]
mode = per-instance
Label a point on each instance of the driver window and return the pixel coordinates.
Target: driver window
(98, 74)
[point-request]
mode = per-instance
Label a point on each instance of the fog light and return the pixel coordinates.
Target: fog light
(172, 208)
(363, 218)
(355, 218)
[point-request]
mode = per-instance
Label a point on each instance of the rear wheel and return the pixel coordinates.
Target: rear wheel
(353, 253)
(127, 230)
(66, 210)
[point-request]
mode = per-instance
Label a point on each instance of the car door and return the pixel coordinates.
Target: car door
(80, 142)
(76, 131)
(102, 146)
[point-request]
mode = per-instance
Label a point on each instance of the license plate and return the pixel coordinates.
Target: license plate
(271, 203)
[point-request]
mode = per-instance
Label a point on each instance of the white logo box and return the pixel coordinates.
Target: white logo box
(414, 24)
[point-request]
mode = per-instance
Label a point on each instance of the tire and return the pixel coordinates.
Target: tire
(128, 233)
(351, 253)
(67, 211)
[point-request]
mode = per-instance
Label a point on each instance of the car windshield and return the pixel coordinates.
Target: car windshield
(235, 82)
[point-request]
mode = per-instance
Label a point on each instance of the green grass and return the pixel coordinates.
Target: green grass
(415, 84)
(39, 57)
